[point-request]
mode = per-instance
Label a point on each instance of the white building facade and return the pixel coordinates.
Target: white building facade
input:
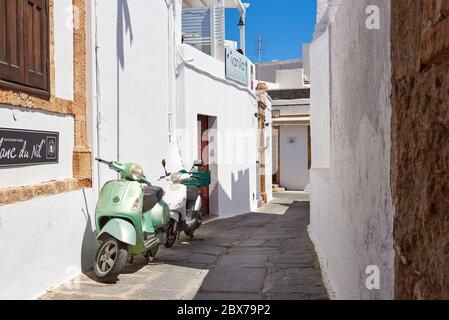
(288, 85)
(351, 204)
(145, 95)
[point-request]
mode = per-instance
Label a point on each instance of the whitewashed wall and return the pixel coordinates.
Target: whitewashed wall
(326, 11)
(290, 79)
(49, 240)
(18, 118)
(320, 210)
(320, 102)
(306, 60)
(293, 107)
(352, 212)
(46, 241)
(294, 159)
(63, 35)
(133, 84)
(203, 90)
(131, 92)
(137, 100)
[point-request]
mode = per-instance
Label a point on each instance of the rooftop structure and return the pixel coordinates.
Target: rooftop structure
(203, 24)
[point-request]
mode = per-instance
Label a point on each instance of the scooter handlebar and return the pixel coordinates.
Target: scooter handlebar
(103, 162)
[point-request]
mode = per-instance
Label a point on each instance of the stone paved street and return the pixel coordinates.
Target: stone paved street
(258, 256)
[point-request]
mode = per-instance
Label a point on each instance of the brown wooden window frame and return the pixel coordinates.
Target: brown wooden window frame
(27, 82)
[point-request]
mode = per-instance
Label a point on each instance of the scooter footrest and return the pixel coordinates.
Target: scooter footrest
(151, 241)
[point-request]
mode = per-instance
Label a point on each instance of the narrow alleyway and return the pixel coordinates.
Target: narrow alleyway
(258, 256)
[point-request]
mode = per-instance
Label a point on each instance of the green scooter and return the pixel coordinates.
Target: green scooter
(131, 219)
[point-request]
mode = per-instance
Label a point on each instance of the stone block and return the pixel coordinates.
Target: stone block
(82, 168)
(45, 189)
(235, 280)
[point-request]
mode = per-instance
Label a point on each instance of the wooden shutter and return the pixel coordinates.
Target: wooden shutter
(36, 43)
(12, 66)
(24, 45)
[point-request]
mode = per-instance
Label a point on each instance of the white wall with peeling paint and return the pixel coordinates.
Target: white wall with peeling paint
(352, 211)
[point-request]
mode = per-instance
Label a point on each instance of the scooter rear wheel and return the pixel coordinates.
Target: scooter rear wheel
(110, 260)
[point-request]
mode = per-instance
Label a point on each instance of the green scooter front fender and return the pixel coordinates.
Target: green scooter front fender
(119, 229)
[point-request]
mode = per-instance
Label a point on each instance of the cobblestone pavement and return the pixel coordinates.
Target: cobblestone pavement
(259, 256)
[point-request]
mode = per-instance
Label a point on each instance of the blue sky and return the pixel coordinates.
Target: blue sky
(283, 24)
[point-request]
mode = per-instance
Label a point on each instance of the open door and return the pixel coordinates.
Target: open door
(203, 152)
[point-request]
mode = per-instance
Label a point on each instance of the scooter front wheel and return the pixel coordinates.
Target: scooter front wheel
(172, 234)
(110, 260)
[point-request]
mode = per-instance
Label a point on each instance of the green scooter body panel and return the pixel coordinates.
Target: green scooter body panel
(156, 218)
(118, 200)
(119, 229)
(119, 197)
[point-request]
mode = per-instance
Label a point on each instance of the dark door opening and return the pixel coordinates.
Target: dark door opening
(203, 152)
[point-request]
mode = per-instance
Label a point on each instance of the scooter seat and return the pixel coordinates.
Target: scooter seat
(192, 193)
(151, 196)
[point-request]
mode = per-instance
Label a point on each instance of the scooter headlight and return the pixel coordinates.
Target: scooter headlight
(176, 177)
(136, 173)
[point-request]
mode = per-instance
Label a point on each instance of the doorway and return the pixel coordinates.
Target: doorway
(206, 142)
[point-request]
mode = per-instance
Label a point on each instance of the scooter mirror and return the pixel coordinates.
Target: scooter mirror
(164, 164)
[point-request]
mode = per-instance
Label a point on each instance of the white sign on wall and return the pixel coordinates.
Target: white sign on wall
(237, 66)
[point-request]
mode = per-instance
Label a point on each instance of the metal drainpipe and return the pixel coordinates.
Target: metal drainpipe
(171, 84)
(97, 90)
(173, 93)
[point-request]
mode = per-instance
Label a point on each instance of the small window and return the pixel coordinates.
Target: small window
(24, 45)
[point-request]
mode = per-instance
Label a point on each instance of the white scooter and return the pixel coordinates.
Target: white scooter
(183, 197)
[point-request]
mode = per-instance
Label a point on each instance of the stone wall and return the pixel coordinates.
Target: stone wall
(420, 125)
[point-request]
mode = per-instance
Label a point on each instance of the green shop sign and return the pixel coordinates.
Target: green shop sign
(236, 66)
